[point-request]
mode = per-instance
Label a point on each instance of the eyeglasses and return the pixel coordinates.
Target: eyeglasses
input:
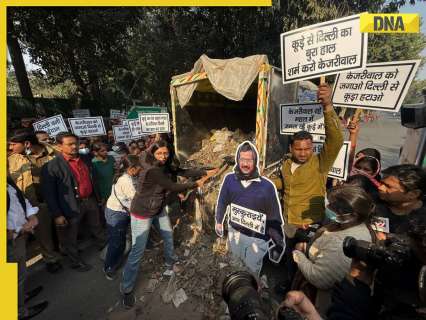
(246, 161)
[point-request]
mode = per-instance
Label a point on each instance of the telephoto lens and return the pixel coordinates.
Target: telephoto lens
(239, 291)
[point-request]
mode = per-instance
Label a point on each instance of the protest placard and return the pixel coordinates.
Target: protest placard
(88, 126)
(340, 168)
(81, 113)
(250, 219)
(52, 125)
(380, 86)
(302, 116)
(117, 114)
(322, 49)
(135, 128)
(122, 133)
(154, 122)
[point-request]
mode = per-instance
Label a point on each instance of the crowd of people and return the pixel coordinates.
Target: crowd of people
(59, 188)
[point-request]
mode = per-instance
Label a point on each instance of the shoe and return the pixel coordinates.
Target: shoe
(170, 263)
(53, 267)
(35, 310)
(32, 293)
(110, 275)
(81, 267)
(129, 300)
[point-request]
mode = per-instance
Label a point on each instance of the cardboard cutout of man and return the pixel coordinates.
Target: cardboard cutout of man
(250, 202)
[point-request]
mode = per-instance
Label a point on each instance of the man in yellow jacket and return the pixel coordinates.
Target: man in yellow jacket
(304, 175)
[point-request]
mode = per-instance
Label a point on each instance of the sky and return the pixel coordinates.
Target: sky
(419, 7)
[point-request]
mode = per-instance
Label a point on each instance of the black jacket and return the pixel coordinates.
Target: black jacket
(154, 184)
(60, 188)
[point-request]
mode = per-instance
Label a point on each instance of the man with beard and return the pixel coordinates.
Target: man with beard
(254, 213)
(402, 192)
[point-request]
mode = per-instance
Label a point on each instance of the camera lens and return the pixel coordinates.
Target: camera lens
(239, 291)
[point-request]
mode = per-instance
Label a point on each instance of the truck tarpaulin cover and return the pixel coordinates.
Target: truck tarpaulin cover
(231, 78)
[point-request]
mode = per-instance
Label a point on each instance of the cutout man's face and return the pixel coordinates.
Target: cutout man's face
(246, 162)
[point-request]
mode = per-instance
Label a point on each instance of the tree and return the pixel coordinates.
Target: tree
(85, 45)
(18, 61)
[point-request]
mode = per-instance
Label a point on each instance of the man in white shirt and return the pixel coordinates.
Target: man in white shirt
(21, 220)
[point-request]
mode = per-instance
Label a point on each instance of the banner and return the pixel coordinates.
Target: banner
(154, 122)
(81, 113)
(381, 86)
(247, 218)
(340, 168)
(303, 116)
(116, 114)
(52, 125)
(121, 133)
(135, 128)
(88, 126)
(322, 49)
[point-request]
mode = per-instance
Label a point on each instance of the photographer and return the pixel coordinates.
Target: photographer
(322, 262)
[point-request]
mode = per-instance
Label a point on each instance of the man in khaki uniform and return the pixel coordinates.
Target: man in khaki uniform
(24, 167)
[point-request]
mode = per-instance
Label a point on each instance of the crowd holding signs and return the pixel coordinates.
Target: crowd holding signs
(86, 126)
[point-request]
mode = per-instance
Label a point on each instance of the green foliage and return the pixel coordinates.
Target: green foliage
(114, 55)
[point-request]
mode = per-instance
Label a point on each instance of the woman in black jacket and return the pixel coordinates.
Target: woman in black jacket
(148, 208)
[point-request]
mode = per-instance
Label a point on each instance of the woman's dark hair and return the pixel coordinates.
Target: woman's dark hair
(96, 147)
(370, 152)
(133, 142)
(351, 199)
(359, 180)
(150, 158)
(368, 162)
(126, 162)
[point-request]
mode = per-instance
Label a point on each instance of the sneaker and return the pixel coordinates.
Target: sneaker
(172, 261)
(129, 300)
(110, 275)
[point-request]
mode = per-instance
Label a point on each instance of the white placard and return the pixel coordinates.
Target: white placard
(81, 113)
(135, 128)
(121, 133)
(247, 218)
(154, 122)
(381, 86)
(302, 116)
(340, 168)
(116, 114)
(322, 49)
(88, 126)
(52, 125)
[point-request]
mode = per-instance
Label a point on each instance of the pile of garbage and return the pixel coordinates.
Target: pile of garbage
(219, 144)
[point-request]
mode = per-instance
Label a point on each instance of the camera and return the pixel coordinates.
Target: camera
(393, 252)
(305, 235)
(240, 292)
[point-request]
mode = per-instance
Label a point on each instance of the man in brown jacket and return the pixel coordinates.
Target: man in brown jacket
(305, 173)
(24, 166)
(304, 178)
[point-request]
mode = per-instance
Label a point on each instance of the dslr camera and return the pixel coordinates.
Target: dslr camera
(305, 235)
(241, 293)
